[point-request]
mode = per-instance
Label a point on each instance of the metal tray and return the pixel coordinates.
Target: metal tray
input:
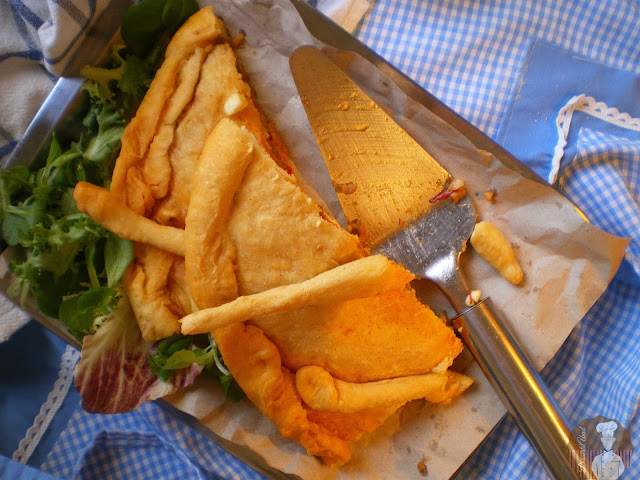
(57, 115)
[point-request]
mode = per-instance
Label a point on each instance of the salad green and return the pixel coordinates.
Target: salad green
(151, 21)
(71, 264)
(176, 352)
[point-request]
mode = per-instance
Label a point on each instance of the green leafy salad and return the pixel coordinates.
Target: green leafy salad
(70, 264)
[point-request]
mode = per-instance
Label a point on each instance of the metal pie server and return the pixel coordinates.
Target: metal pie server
(351, 131)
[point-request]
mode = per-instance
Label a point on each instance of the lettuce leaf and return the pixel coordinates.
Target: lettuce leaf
(71, 264)
(180, 351)
(103, 79)
(113, 375)
(123, 81)
(144, 23)
(85, 312)
(65, 251)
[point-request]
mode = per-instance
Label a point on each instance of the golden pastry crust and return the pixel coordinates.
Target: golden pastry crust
(282, 237)
(255, 364)
(201, 29)
(146, 284)
(403, 337)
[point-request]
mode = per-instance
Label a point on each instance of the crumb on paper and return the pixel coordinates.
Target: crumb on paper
(422, 468)
(490, 195)
(494, 248)
(485, 157)
(238, 40)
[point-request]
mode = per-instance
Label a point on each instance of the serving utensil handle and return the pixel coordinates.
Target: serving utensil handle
(524, 394)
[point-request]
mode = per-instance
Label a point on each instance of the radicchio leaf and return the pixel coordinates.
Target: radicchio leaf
(113, 375)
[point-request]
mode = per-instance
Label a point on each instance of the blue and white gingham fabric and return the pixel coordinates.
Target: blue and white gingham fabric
(479, 58)
(470, 53)
(147, 443)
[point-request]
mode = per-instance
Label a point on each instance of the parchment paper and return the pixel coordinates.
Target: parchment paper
(567, 262)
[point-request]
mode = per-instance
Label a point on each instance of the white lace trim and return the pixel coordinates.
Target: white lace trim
(48, 410)
(597, 109)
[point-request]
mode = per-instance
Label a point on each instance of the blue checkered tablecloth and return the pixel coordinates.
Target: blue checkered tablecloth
(556, 83)
(510, 68)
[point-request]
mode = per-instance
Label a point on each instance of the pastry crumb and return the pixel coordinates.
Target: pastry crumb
(346, 188)
(422, 468)
(238, 40)
(490, 195)
(235, 103)
(356, 227)
(456, 191)
(485, 157)
(494, 248)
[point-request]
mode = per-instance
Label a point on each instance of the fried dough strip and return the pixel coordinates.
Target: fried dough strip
(210, 254)
(255, 363)
(364, 277)
(321, 391)
(201, 29)
(491, 244)
(107, 210)
(156, 168)
(145, 283)
(219, 80)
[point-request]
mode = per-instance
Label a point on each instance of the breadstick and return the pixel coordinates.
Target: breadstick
(107, 210)
(365, 277)
(320, 391)
(491, 245)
